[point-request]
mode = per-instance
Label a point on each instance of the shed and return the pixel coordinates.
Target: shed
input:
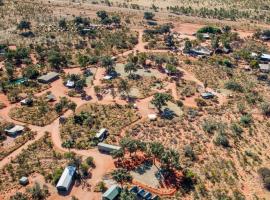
(101, 134)
(111, 193)
(200, 50)
(66, 179)
(70, 84)
(107, 148)
(264, 68)
(207, 95)
(51, 97)
(17, 129)
(49, 77)
(152, 117)
(265, 57)
(24, 180)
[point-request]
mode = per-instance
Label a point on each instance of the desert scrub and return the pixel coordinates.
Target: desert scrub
(18, 142)
(40, 157)
(80, 129)
(40, 113)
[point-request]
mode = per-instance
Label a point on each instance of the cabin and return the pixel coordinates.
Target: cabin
(112, 193)
(26, 102)
(66, 179)
(70, 84)
(207, 95)
(101, 134)
(48, 78)
(265, 68)
(107, 148)
(15, 130)
(23, 181)
(201, 51)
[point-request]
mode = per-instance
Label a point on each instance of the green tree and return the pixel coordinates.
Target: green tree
(130, 68)
(160, 100)
(170, 159)
(108, 63)
(24, 25)
(123, 87)
(9, 70)
(148, 15)
(62, 24)
(83, 60)
(31, 72)
(188, 46)
(121, 176)
(102, 14)
(72, 106)
(215, 43)
(57, 60)
(127, 195)
(171, 69)
(156, 149)
(118, 154)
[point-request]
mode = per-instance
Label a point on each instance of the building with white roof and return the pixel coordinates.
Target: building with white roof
(66, 179)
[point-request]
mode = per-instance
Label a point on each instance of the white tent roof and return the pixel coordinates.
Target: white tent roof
(66, 177)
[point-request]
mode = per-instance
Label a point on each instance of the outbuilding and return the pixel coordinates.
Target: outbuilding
(15, 130)
(26, 102)
(152, 117)
(23, 181)
(107, 148)
(201, 51)
(70, 84)
(48, 78)
(101, 134)
(207, 95)
(265, 68)
(66, 179)
(112, 193)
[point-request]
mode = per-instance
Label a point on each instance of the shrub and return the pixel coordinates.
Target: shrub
(265, 107)
(234, 86)
(222, 140)
(189, 152)
(100, 187)
(209, 29)
(246, 120)
(236, 129)
(265, 174)
(90, 161)
(148, 15)
(209, 126)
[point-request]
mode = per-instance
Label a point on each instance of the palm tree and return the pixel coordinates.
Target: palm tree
(160, 99)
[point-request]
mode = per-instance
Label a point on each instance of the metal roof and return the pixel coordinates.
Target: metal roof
(49, 76)
(108, 146)
(101, 132)
(14, 129)
(66, 178)
(112, 192)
